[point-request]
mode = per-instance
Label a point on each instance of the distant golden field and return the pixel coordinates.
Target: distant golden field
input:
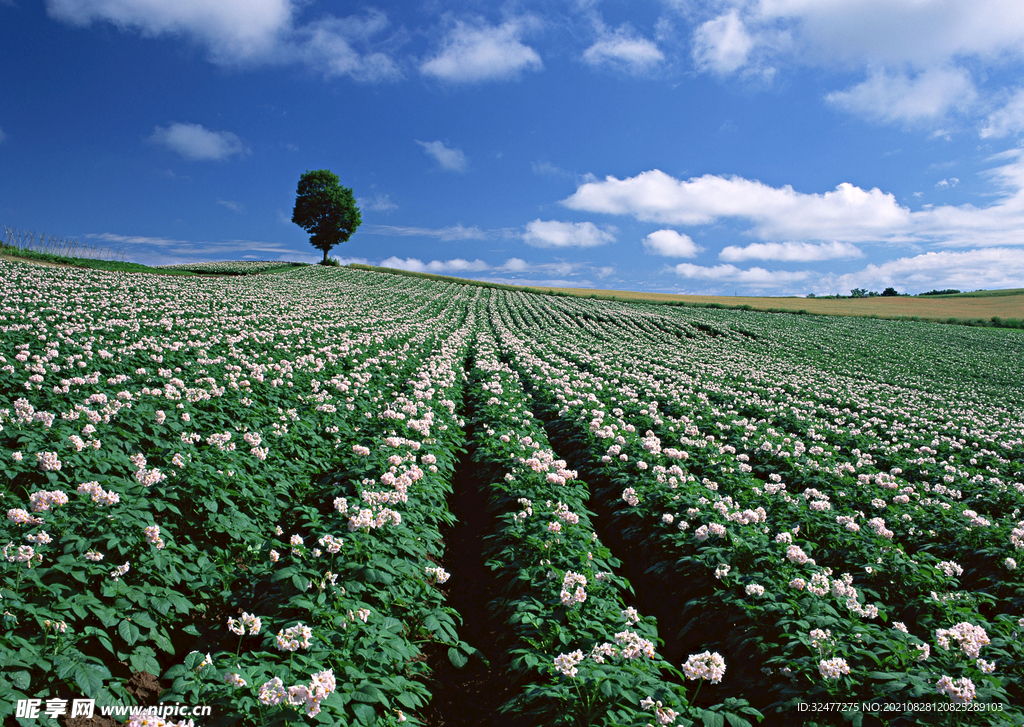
(1002, 303)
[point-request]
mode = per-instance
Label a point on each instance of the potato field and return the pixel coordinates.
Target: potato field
(333, 496)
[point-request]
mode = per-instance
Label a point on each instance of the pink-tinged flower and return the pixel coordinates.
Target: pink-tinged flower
(440, 575)
(566, 663)
(274, 556)
(94, 556)
(755, 589)
(273, 692)
(961, 691)
(44, 499)
(969, 638)
(235, 680)
(923, 651)
(153, 537)
(161, 417)
(708, 665)
(40, 538)
(120, 571)
(19, 516)
(98, 494)
(17, 456)
(833, 668)
(48, 461)
(294, 638)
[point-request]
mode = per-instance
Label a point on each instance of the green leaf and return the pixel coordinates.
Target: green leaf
(89, 678)
(128, 631)
(21, 679)
(457, 658)
(735, 720)
(143, 659)
(712, 719)
(365, 713)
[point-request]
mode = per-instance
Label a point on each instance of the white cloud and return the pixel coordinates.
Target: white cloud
(914, 53)
(193, 141)
(247, 32)
(898, 97)
(753, 277)
(919, 33)
(847, 213)
(1007, 120)
(624, 49)
(671, 244)
(480, 52)
(377, 203)
(551, 233)
(452, 232)
(447, 157)
(440, 267)
(990, 268)
(790, 251)
(232, 29)
(329, 45)
(516, 265)
(947, 183)
(722, 45)
(232, 205)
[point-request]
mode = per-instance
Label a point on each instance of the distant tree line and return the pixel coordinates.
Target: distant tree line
(888, 292)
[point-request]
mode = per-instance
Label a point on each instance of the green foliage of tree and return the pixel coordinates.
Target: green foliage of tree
(890, 292)
(325, 209)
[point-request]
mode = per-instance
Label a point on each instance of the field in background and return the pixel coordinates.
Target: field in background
(978, 307)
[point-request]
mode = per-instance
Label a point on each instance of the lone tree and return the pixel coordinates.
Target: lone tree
(325, 209)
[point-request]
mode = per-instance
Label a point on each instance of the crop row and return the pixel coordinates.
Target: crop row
(172, 507)
(770, 536)
(585, 656)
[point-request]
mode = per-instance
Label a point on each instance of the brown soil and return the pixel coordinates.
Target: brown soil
(145, 687)
(470, 695)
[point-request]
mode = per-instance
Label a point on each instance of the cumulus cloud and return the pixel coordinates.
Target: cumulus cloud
(914, 54)
(848, 213)
(753, 277)
(790, 251)
(990, 268)
(480, 52)
(670, 243)
(196, 142)
(447, 157)
(247, 32)
(899, 97)
(440, 267)
(624, 49)
(722, 45)
(551, 233)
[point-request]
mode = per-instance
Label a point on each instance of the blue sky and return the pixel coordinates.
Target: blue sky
(696, 146)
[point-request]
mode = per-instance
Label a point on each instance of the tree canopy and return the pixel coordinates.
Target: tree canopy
(325, 209)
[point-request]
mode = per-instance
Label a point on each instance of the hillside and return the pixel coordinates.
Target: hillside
(341, 496)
